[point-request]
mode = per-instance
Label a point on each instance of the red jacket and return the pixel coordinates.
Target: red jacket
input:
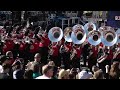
(22, 46)
(110, 56)
(46, 41)
(95, 52)
(34, 47)
(8, 45)
(79, 52)
(55, 50)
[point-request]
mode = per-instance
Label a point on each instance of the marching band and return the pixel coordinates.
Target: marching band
(69, 46)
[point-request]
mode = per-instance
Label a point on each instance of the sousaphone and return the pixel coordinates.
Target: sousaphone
(94, 37)
(103, 28)
(109, 37)
(67, 34)
(78, 35)
(89, 27)
(118, 35)
(55, 34)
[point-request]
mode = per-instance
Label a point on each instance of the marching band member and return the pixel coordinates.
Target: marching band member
(46, 43)
(116, 56)
(73, 57)
(22, 49)
(106, 58)
(78, 55)
(55, 53)
(86, 50)
(92, 58)
(66, 54)
(8, 45)
(34, 47)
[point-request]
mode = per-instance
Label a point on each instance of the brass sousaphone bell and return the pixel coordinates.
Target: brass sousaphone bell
(55, 34)
(118, 35)
(94, 37)
(89, 27)
(67, 34)
(109, 37)
(78, 35)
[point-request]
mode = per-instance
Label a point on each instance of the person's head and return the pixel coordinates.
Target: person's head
(2, 59)
(37, 57)
(68, 70)
(84, 75)
(95, 68)
(71, 76)
(115, 65)
(51, 63)
(98, 74)
(6, 68)
(55, 71)
(74, 71)
(28, 74)
(114, 71)
(47, 70)
(63, 74)
(9, 54)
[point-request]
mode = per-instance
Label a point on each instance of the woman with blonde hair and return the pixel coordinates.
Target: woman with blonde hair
(63, 74)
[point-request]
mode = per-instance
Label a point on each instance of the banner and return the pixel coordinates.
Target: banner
(113, 19)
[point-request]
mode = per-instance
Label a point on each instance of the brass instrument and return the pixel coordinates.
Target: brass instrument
(94, 37)
(78, 35)
(109, 37)
(89, 27)
(55, 34)
(118, 35)
(67, 34)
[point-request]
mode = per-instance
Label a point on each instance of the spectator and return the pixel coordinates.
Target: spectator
(47, 72)
(9, 55)
(28, 74)
(84, 75)
(2, 60)
(63, 74)
(94, 69)
(98, 75)
(37, 59)
(18, 72)
(114, 71)
(5, 73)
(36, 70)
(55, 69)
(71, 76)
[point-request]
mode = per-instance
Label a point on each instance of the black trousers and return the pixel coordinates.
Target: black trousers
(75, 62)
(91, 62)
(84, 59)
(66, 60)
(44, 54)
